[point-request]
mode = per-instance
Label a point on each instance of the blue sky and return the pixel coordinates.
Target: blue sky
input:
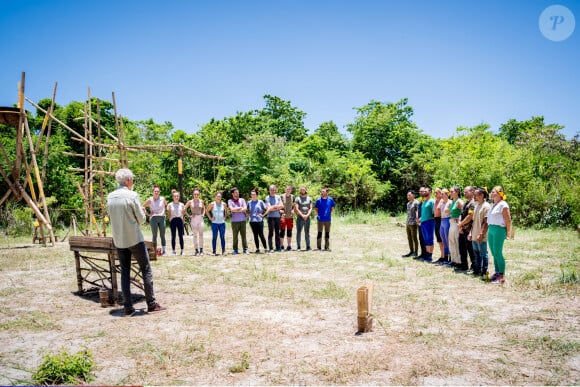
(460, 63)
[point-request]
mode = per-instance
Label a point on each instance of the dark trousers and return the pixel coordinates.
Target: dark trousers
(465, 248)
(258, 231)
(422, 244)
(273, 231)
(140, 254)
(176, 226)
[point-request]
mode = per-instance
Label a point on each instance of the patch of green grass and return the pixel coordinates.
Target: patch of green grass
(528, 279)
(263, 274)
(65, 368)
(361, 217)
(568, 274)
(332, 291)
(31, 321)
(387, 260)
(553, 347)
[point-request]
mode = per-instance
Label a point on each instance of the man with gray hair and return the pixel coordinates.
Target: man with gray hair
(127, 215)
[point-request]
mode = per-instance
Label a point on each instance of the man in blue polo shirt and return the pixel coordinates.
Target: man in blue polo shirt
(324, 208)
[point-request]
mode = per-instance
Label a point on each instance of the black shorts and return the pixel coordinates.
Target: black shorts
(437, 225)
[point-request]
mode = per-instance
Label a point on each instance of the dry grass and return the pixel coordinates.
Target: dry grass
(290, 318)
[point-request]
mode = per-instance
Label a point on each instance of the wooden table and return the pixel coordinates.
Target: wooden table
(101, 267)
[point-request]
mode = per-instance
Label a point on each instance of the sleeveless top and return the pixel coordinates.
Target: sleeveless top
(196, 209)
(454, 210)
(176, 210)
(218, 213)
(444, 205)
(157, 207)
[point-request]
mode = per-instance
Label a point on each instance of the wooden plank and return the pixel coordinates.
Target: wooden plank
(103, 245)
(87, 243)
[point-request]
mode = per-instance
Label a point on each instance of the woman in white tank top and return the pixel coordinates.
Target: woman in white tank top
(157, 206)
(197, 213)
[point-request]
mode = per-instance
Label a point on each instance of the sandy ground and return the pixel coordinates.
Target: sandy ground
(291, 317)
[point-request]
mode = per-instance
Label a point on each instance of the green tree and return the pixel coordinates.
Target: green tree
(282, 119)
(385, 134)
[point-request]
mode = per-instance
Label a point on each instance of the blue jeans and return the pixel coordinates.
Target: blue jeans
(481, 260)
(303, 224)
(140, 254)
(215, 228)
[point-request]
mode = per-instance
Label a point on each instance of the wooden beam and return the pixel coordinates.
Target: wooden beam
(364, 306)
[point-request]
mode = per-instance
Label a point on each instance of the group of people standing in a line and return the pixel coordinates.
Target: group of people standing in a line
(127, 215)
(462, 228)
(279, 211)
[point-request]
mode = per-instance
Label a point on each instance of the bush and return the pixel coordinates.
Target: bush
(17, 220)
(64, 368)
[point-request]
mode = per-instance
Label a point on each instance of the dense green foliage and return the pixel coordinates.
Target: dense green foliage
(386, 155)
(64, 368)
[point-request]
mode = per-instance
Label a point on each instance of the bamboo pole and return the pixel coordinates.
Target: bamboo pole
(97, 172)
(38, 181)
(93, 157)
(101, 180)
(48, 122)
(120, 134)
(85, 185)
(124, 148)
(19, 131)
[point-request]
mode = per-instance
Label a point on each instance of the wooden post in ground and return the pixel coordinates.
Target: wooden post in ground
(364, 304)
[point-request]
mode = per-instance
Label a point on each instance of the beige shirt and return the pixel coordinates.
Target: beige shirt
(127, 216)
(479, 214)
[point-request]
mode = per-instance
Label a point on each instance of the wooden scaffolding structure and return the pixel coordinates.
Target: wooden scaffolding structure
(25, 160)
(98, 142)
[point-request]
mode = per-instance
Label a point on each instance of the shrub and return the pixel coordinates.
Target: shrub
(17, 220)
(64, 368)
